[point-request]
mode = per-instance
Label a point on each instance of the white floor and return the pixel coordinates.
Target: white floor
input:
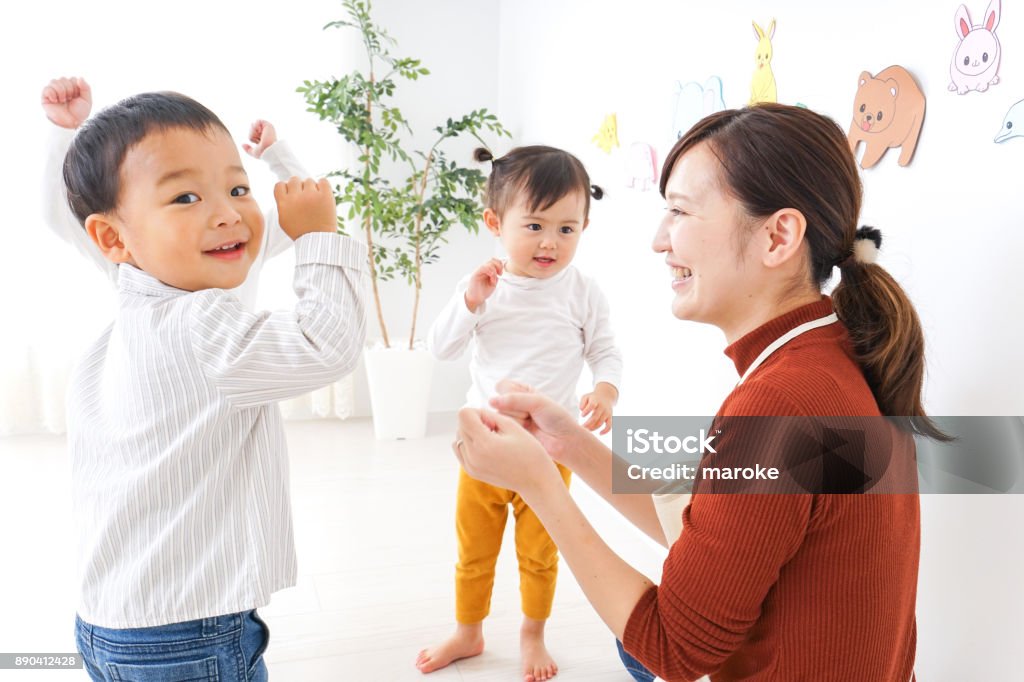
(375, 535)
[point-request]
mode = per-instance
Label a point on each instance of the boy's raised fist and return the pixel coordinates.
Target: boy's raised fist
(67, 101)
(305, 206)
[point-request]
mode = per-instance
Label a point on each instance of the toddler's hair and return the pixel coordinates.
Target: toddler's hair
(92, 167)
(543, 174)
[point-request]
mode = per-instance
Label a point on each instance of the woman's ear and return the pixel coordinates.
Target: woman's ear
(783, 235)
(106, 235)
(492, 222)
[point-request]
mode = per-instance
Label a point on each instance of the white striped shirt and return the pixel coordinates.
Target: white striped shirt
(179, 463)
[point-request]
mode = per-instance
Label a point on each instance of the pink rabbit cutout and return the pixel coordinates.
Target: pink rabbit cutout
(975, 63)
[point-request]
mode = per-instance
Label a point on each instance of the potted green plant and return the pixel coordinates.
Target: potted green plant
(404, 203)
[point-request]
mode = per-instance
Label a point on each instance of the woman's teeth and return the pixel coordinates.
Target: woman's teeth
(681, 273)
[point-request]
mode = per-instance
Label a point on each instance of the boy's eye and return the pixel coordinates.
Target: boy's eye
(533, 227)
(675, 211)
(565, 229)
(240, 191)
(186, 198)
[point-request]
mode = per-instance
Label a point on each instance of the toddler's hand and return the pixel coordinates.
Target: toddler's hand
(598, 404)
(305, 206)
(261, 134)
(483, 283)
(67, 102)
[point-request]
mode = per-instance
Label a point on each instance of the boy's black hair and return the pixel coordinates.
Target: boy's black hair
(544, 174)
(92, 166)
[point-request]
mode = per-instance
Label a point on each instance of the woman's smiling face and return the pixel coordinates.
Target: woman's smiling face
(703, 238)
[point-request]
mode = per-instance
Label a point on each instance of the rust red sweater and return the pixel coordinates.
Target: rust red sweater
(789, 587)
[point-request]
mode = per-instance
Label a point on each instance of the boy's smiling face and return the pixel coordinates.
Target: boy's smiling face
(184, 213)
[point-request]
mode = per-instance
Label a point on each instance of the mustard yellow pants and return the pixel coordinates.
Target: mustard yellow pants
(481, 511)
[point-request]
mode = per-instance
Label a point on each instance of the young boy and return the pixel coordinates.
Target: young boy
(67, 103)
(180, 475)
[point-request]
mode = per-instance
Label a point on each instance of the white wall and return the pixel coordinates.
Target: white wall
(952, 220)
(952, 223)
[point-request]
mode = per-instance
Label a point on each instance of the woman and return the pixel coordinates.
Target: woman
(762, 205)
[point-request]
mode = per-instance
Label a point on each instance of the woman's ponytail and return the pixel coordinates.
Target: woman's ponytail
(886, 334)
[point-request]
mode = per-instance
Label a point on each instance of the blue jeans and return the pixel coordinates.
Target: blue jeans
(633, 666)
(223, 649)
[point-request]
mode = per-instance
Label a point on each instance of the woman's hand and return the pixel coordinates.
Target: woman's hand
(495, 449)
(548, 422)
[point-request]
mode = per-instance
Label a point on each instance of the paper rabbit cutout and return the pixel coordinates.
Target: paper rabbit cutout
(887, 112)
(762, 86)
(975, 64)
(1013, 123)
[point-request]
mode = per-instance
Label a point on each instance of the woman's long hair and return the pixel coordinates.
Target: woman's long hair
(775, 156)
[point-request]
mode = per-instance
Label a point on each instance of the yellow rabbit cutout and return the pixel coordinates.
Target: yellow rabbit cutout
(762, 86)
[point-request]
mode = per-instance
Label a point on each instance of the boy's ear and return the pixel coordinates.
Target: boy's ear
(784, 234)
(492, 222)
(106, 235)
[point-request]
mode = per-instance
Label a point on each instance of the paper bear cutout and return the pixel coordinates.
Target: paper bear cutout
(888, 111)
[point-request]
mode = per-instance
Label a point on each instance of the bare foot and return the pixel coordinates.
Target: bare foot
(537, 662)
(467, 641)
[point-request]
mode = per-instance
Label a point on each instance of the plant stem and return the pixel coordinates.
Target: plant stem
(419, 232)
(368, 221)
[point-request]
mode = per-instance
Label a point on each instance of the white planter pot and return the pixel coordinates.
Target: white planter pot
(399, 381)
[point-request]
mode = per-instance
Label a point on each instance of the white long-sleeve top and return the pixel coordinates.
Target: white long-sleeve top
(534, 331)
(179, 463)
(63, 223)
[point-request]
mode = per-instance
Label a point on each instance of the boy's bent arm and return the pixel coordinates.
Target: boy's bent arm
(262, 358)
(56, 213)
(284, 164)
